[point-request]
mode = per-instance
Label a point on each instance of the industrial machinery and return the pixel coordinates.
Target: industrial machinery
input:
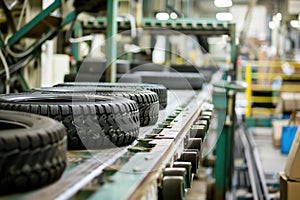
(166, 157)
(161, 163)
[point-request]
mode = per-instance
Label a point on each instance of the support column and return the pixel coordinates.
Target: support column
(225, 144)
(234, 54)
(111, 41)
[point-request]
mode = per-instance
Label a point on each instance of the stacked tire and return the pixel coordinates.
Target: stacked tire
(32, 151)
(147, 101)
(160, 90)
(92, 121)
(33, 146)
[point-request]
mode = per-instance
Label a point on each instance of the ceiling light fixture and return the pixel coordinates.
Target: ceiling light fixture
(295, 23)
(173, 15)
(223, 3)
(279, 16)
(224, 16)
(272, 25)
(162, 16)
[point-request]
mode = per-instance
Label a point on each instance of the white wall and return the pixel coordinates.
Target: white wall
(258, 23)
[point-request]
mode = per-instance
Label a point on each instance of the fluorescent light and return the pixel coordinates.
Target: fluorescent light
(223, 3)
(224, 16)
(173, 15)
(295, 23)
(279, 16)
(272, 25)
(162, 16)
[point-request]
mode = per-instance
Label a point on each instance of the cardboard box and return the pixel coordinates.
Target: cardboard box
(277, 131)
(289, 190)
(290, 101)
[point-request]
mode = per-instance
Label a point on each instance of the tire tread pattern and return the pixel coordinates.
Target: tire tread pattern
(160, 90)
(147, 101)
(31, 158)
(90, 125)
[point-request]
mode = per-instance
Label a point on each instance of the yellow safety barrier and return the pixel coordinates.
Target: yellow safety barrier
(248, 89)
(260, 76)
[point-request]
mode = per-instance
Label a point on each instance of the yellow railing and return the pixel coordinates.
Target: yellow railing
(260, 77)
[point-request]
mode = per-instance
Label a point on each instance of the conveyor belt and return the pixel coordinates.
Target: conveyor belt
(84, 166)
(85, 169)
(138, 177)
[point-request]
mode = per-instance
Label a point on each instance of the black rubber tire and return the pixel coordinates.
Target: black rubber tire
(92, 121)
(173, 80)
(146, 100)
(84, 77)
(98, 66)
(148, 67)
(128, 78)
(32, 151)
(160, 90)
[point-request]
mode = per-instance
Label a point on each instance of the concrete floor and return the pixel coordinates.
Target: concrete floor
(272, 159)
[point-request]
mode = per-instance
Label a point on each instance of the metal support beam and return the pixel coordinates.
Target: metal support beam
(41, 16)
(77, 33)
(225, 143)
(2, 45)
(111, 34)
(147, 8)
(233, 52)
(187, 8)
(221, 169)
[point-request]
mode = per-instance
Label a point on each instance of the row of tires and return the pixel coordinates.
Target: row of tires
(84, 116)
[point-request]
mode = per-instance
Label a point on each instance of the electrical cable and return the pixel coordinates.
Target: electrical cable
(30, 49)
(35, 45)
(91, 37)
(18, 65)
(22, 14)
(7, 85)
(132, 23)
(79, 39)
(69, 31)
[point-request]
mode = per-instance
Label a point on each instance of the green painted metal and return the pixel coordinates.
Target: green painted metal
(129, 177)
(37, 44)
(225, 143)
(138, 178)
(70, 17)
(111, 41)
(147, 7)
(188, 23)
(166, 5)
(2, 44)
(41, 16)
(220, 171)
(179, 23)
(259, 122)
(23, 82)
(187, 8)
(223, 162)
(233, 50)
(75, 46)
